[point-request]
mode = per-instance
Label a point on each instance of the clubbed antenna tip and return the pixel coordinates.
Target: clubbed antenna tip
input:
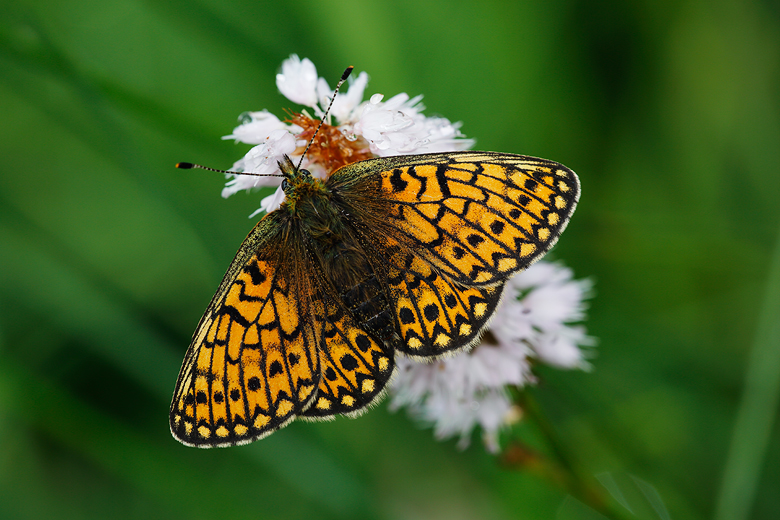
(327, 111)
(191, 166)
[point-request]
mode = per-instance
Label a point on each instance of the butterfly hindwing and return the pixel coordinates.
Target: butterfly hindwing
(434, 314)
(253, 363)
(355, 365)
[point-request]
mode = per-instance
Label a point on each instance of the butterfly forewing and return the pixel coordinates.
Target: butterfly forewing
(477, 216)
(253, 364)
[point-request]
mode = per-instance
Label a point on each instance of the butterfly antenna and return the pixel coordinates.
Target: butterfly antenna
(190, 166)
(327, 110)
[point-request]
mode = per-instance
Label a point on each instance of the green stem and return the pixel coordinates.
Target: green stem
(561, 468)
(757, 410)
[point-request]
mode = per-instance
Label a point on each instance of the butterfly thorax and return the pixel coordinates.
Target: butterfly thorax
(300, 190)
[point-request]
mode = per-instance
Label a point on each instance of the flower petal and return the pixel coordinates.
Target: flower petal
(262, 159)
(256, 127)
(298, 81)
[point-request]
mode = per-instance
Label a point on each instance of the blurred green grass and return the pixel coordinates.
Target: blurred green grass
(668, 112)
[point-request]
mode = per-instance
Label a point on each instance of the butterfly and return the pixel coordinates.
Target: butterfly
(405, 254)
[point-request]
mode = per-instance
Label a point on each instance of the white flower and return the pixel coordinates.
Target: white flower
(470, 389)
(262, 158)
(255, 127)
(551, 301)
(298, 81)
(270, 203)
(393, 127)
(397, 127)
(346, 102)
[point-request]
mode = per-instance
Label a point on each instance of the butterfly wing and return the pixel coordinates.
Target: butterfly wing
(448, 230)
(253, 363)
(478, 217)
(434, 314)
(356, 366)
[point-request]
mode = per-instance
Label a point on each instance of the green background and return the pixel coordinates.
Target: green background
(668, 111)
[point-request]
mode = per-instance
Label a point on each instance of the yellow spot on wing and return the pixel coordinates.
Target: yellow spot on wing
(483, 277)
(527, 250)
(507, 264)
(261, 420)
(284, 408)
(304, 392)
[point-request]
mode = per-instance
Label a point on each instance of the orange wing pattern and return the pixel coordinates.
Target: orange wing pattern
(253, 364)
(451, 228)
(477, 216)
(434, 314)
(355, 366)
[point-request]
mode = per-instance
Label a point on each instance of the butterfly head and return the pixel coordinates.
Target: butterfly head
(293, 176)
(298, 184)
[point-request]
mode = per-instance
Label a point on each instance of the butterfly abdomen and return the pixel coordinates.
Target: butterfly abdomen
(356, 284)
(368, 303)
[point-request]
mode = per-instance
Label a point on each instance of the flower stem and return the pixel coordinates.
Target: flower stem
(559, 467)
(757, 410)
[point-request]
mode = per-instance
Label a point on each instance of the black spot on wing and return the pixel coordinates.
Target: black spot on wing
(257, 276)
(431, 312)
(362, 342)
(349, 362)
(275, 369)
(406, 315)
(397, 182)
(474, 240)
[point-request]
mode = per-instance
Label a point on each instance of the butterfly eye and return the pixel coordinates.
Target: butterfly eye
(285, 185)
(305, 173)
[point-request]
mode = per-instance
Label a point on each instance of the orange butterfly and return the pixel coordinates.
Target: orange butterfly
(396, 254)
